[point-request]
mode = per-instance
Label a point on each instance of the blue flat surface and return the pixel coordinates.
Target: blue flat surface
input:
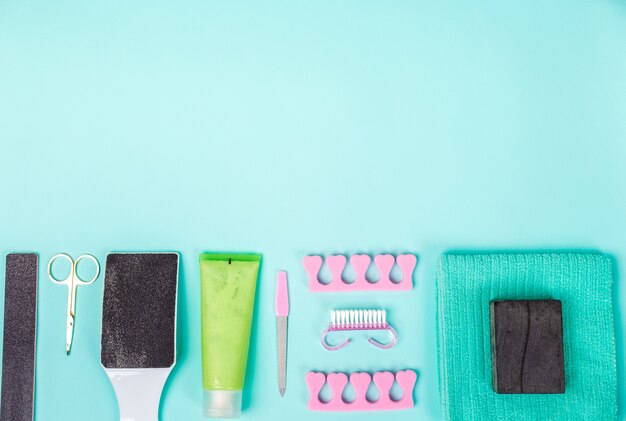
(290, 128)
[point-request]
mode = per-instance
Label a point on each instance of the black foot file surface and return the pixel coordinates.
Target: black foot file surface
(527, 346)
(18, 347)
(138, 348)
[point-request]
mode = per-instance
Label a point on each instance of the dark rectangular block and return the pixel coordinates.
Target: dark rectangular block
(18, 344)
(527, 347)
(139, 310)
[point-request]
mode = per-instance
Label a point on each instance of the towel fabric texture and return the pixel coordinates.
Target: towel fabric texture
(466, 283)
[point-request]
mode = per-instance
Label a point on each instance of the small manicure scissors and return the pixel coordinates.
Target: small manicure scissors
(72, 281)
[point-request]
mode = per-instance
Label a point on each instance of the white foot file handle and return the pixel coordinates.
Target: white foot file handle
(138, 391)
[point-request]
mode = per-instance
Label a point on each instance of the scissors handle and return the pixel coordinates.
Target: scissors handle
(73, 278)
(95, 276)
(72, 267)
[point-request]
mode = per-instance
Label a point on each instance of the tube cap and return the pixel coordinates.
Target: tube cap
(222, 403)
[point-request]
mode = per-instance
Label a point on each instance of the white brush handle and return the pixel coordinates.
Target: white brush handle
(138, 391)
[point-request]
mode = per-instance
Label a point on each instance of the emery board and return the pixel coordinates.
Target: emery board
(19, 341)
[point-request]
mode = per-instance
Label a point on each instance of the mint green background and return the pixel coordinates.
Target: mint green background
(296, 127)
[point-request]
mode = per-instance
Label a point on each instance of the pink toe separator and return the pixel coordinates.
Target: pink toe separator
(360, 263)
(383, 380)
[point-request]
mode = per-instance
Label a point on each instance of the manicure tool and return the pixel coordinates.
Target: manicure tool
(348, 320)
(72, 282)
(19, 341)
(138, 343)
(360, 263)
(361, 382)
(282, 312)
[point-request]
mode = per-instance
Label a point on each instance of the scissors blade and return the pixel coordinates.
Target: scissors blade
(69, 333)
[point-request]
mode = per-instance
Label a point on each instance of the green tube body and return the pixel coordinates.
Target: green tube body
(228, 286)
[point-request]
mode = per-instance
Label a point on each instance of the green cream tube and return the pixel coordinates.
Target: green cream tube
(228, 284)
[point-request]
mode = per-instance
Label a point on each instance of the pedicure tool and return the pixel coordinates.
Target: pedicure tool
(360, 263)
(549, 317)
(138, 348)
(383, 380)
(527, 346)
(72, 281)
(354, 320)
(19, 341)
(282, 313)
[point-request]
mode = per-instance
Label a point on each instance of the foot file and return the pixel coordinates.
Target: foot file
(138, 348)
(18, 347)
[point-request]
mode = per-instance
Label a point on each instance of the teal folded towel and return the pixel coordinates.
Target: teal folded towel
(583, 283)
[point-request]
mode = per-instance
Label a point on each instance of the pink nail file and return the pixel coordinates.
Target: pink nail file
(282, 313)
(360, 263)
(361, 382)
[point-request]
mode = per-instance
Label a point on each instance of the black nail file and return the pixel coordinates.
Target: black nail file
(18, 347)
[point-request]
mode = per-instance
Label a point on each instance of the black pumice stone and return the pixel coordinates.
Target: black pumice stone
(139, 310)
(18, 344)
(527, 347)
